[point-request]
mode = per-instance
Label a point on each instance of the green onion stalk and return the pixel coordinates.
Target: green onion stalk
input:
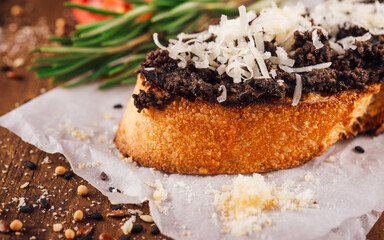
(114, 48)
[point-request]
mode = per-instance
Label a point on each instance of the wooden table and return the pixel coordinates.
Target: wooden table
(14, 153)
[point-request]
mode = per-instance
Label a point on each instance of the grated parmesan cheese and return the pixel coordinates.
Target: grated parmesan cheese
(298, 90)
(223, 96)
(305, 69)
(350, 42)
(244, 205)
(237, 46)
(316, 40)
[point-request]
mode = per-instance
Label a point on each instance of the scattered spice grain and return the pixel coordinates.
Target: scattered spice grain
(69, 234)
(16, 225)
(68, 175)
(27, 208)
(82, 190)
(137, 228)
(31, 165)
(16, 10)
(103, 176)
(146, 218)
(155, 230)
(78, 215)
(18, 62)
(57, 227)
(112, 189)
(118, 106)
(96, 216)
(115, 207)
(6, 68)
(128, 225)
(14, 75)
(84, 231)
(124, 237)
(105, 236)
(359, 149)
(60, 170)
(4, 226)
(118, 213)
(88, 237)
(44, 203)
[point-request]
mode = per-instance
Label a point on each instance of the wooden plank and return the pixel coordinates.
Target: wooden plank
(63, 199)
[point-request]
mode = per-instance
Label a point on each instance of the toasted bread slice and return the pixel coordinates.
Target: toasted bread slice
(205, 138)
(373, 120)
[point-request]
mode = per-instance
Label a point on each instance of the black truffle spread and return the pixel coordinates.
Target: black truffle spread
(270, 56)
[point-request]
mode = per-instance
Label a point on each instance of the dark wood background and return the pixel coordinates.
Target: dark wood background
(14, 152)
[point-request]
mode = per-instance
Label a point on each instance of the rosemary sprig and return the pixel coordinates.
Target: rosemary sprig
(114, 48)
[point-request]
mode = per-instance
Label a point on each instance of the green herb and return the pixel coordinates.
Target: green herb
(114, 48)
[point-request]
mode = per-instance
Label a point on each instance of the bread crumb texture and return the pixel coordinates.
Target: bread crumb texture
(244, 205)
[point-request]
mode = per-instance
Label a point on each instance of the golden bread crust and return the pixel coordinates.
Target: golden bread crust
(206, 138)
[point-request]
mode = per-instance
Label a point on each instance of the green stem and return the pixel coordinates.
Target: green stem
(177, 11)
(127, 45)
(62, 40)
(116, 80)
(126, 37)
(65, 69)
(120, 20)
(92, 9)
(87, 26)
(59, 58)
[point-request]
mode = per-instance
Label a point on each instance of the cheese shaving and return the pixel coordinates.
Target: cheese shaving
(350, 42)
(223, 96)
(335, 46)
(316, 40)
(298, 90)
(306, 69)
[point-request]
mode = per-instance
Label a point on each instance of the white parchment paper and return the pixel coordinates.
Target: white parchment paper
(349, 190)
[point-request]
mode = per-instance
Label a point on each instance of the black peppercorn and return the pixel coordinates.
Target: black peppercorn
(115, 207)
(68, 175)
(137, 228)
(359, 149)
(31, 165)
(117, 106)
(96, 216)
(27, 208)
(155, 230)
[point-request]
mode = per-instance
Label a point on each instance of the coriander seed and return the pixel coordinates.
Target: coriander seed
(69, 234)
(82, 190)
(78, 215)
(60, 170)
(16, 225)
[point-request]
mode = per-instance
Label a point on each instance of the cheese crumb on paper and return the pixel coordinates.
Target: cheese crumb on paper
(159, 195)
(244, 205)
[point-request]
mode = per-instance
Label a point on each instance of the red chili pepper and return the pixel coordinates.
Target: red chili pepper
(83, 16)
